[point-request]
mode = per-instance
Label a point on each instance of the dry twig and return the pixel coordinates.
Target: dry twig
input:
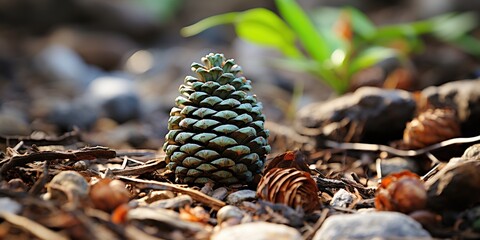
(65, 139)
(87, 153)
(398, 152)
(138, 170)
(324, 183)
(309, 234)
(196, 195)
(30, 226)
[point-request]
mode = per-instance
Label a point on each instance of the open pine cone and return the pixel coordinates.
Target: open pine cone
(291, 187)
(217, 129)
(430, 127)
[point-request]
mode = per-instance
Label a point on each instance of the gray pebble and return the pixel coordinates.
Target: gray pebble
(382, 113)
(220, 193)
(66, 185)
(9, 205)
(240, 196)
(66, 115)
(382, 225)
(173, 203)
(228, 212)
(117, 96)
(65, 67)
(397, 164)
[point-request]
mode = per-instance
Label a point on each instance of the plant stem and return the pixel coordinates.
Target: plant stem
(208, 23)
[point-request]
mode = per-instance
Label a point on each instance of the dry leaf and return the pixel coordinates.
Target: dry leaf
(290, 159)
(196, 214)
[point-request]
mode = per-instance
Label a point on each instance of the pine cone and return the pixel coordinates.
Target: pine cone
(430, 127)
(290, 187)
(217, 129)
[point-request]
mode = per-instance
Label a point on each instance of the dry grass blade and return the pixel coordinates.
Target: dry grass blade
(398, 152)
(309, 234)
(196, 195)
(32, 227)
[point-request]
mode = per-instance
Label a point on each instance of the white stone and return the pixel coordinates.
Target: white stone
(342, 199)
(258, 231)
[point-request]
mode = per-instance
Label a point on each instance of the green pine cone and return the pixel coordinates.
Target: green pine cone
(217, 129)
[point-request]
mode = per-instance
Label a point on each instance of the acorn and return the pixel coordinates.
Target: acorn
(401, 192)
(108, 194)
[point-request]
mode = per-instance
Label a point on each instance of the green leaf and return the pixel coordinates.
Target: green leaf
(404, 30)
(263, 27)
(313, 42)
(209, 22)
(323, 73)
(468, 44)
(360, 23)
(259, 25)
(370, 57)
(452, 26)
(325, 19)
(300, 65)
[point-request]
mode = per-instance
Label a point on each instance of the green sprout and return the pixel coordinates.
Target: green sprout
(335, 44)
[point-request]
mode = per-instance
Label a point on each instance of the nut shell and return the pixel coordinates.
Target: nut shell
(401, 192)
(108, 194)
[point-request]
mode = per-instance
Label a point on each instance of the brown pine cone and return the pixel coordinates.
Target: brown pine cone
(290, 187)
(430, 127)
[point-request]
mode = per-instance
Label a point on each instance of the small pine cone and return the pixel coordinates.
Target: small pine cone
(217, 128)
(290, 187)
(430, 127)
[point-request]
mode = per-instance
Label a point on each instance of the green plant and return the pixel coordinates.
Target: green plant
(335, 54)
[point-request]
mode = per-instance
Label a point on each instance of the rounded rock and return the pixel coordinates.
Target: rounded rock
(228, 212)
(68, 183)
(258, 231)
(240, 196)
(370, 225)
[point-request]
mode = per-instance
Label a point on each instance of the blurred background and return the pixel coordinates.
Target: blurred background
(112, 68)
